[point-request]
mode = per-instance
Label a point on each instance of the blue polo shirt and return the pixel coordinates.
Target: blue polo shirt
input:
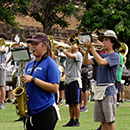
(40, 99)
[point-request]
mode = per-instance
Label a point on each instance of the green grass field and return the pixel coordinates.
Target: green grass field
(8, 115)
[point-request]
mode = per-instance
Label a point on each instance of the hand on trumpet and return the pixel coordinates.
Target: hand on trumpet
(88, 44)
(60, 48)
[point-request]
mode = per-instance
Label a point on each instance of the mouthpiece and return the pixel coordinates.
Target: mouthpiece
(31, 51)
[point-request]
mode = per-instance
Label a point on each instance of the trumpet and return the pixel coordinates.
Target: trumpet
(4, 44)
(60, 44)
(97, 46)
(55, 44)
(10, 44)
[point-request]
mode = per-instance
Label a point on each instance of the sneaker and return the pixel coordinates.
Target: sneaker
(2, 106)
(9, 101)
(100, 128)
(70, 123)
(5, 101)
(117, 105)
(84, 109)
(81, 107)
(66, 105)
(13, 102)
(122, 101)
(60, 102)
(76, 123)
(20, 119)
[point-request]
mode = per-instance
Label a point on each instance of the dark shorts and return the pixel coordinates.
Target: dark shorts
(72, 93)
(44, 120)
(85, 85)
(118, 85)
(61, 86)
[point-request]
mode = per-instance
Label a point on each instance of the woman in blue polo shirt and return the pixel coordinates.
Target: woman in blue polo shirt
(42, 80)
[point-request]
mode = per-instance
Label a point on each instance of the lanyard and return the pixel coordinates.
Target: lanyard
(34, 66)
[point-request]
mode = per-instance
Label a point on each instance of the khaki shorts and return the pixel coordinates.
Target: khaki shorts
(2, 77)
(104, 110)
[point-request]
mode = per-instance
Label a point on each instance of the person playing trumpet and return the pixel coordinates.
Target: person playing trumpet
(73, 81)
(107, 66)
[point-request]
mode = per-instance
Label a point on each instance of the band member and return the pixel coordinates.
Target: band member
(2, 72)
(62, 85)
(107, 66)
(73, 81)
(85, 86)
(42, 81)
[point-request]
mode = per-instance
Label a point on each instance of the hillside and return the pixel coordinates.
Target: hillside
(28, 21)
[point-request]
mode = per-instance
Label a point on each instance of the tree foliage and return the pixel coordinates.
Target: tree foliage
(51, 12)
(10, 8)
(108, 14)
(48, 12)
(6, 14)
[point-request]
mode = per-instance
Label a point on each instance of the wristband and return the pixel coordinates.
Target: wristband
(33, 79)
(61, 49)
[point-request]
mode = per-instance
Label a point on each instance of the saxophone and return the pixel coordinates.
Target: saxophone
(20, 94)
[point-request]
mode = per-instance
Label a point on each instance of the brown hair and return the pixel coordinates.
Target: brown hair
(48, 43)
(4, 35)
(113, 41)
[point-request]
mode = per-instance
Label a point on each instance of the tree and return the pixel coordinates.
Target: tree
(48, 12)
(51, 12)
(108, 14)
(6, 14)
(9, 8)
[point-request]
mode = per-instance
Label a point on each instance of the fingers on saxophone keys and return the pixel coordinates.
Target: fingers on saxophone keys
(22, 79)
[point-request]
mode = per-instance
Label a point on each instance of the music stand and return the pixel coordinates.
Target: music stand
(20, 54)
(86, 35)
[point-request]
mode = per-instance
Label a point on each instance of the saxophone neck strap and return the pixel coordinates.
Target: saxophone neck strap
(34, 66)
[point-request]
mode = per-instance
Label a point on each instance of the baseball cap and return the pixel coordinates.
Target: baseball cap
(38, 38)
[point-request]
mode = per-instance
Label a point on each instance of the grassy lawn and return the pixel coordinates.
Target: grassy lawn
(8, 115)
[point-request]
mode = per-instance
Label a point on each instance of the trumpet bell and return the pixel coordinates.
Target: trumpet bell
(4, 44)
(60, 44)
(55, 44)
(123, 49)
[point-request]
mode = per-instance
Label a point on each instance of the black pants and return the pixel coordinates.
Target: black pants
(45, 120)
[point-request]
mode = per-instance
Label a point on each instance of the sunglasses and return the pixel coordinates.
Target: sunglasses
(71, 43)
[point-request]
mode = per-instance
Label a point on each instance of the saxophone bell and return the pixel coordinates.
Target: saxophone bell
(21, 105)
